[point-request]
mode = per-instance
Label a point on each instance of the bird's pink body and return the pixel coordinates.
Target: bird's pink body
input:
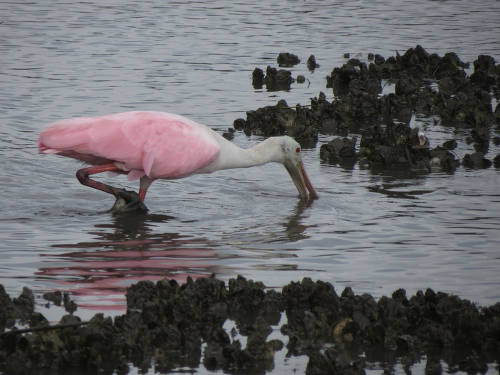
(143, 143)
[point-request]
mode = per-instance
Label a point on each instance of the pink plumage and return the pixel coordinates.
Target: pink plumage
(155, 144)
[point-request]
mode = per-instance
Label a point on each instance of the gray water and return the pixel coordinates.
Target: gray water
(374, 232)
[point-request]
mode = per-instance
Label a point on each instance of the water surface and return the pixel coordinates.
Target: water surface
(374, 232)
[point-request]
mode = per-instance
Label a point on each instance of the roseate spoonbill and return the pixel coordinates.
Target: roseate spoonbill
(149, 145)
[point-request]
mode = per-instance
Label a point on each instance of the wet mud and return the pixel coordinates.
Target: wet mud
(456, 94)
(167, 325)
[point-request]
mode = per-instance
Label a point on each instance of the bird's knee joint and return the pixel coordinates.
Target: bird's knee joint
(83, 176)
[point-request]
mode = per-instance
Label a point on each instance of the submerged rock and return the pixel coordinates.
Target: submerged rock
(128, 201)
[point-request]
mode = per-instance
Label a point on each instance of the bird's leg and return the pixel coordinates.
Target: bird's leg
(84, 173)
(143, 187)
(126, 201)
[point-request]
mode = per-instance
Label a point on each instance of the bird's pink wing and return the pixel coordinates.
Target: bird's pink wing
(160, 145)
(148, 160)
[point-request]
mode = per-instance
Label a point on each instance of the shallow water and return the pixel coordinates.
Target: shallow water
(375, 232)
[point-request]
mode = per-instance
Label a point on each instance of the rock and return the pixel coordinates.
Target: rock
(353, 78)
(128, 202)
(481, 138)
(378, 59)
(167, 324)
(257, 78)
(55, 297)
(311, 63)
(450, 145)
(8, 312)
(442, 158)
(229, 134)
(496, 161)
(276, 80)
(24, 305)
(287, 60)
(396, 145)
(69, 305)
(424, 83)
(433, 367)
(484, 75)
(476, 160)
(332, 361)
(340, 151)
(239, 124)
(267, 121)
(280, 120)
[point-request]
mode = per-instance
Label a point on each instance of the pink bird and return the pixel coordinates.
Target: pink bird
(150, 145)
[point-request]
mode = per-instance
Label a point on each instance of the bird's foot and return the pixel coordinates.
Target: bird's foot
(128, 201)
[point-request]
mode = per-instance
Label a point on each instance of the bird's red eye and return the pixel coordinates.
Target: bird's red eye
(297, 150)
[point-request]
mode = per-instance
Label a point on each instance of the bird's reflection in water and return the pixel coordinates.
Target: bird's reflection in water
(294, 228)
(121, 253)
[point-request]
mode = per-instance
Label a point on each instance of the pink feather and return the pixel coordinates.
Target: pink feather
(156, 144)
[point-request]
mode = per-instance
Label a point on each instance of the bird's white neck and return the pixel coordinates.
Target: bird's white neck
(232, 156)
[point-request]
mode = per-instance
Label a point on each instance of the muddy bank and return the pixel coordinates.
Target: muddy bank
(377, 98)
(174, 325)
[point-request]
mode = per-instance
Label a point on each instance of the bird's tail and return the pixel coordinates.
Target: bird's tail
(42, 149)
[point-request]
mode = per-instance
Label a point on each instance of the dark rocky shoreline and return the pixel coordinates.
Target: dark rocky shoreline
(174, 325)
(425, 84)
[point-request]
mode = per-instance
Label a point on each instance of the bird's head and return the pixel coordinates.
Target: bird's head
(292, 161)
